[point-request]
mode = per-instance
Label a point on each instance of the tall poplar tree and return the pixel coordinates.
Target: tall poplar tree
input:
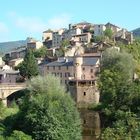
(29, 68)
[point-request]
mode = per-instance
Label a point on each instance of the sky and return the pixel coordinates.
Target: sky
(20, 19)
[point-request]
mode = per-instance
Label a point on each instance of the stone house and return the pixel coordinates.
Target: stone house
(14, 62)
(47, 38)
(81, 39)
(79, 74)
(99, 29)
(34, 44)
(8, 75)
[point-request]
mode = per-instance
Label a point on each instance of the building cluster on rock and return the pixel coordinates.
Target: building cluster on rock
(79, 64)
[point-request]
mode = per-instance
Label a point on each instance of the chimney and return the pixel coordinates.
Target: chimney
(69, 26)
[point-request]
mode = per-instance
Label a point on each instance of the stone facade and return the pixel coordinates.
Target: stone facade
(8, 89)
(84, 92)
(79, 74)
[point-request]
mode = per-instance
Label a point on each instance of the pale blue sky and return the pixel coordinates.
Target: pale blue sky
(22, 18)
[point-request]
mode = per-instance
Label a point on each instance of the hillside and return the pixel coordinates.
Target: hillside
(136, 32)
(8, 46)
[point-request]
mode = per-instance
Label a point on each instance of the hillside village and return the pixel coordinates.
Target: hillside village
(98, 65)
(72, 54)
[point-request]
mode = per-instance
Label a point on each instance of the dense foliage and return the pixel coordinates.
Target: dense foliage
(134, 50)
(116, 73)
(127, 127)
(47, 112)
(108, 33)
(40, 53)
(120, 96)
(28, 68)
(5, 134)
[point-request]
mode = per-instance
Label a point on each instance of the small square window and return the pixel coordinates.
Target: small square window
(84, 93)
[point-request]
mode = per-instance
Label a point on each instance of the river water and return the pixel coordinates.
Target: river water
(91, 124)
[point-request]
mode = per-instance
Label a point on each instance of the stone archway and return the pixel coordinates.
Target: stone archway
(8, 89)
(16, 96)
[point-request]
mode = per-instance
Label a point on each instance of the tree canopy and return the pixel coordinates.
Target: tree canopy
(116, 77)
(108, 33)
(42, 52)
(28, 68)
(120, 96)
(48, 112)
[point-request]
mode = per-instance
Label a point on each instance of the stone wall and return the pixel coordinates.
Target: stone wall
(84, 95)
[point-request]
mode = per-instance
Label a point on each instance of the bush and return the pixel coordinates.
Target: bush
(49, 112)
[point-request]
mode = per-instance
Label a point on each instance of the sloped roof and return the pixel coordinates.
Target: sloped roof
(10, 71)
(87, 61)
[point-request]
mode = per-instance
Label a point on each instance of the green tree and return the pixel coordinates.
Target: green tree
(19, 135)
(127, 127)
(49, 112)
(134, 49)
(98, 38)
(40, 52)
(28, 68)
(115, 78)
(64, 46)
(65, 43)
(108, 33)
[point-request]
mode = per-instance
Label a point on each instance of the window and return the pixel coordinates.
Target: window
(0, 77)
(84, 121)
(92, 76)
(67, 67)
(68, 74)
(83, 68)
(65, 74)
(91, 70)
(53, 67)
(59, 67)
(84, 93)
(60, 74)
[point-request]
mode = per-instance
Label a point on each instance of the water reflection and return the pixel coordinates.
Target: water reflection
(91, 124)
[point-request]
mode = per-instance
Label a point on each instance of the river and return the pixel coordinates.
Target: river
(90, 124)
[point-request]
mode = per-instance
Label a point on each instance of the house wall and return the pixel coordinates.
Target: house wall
(1, 61)
(35, 45)
(89, 72)
(15, 62)
(84, 94)
(47, 36)
(63, 72)
(56, 42)
(8, 78)
(99, 29)
(39, 45)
